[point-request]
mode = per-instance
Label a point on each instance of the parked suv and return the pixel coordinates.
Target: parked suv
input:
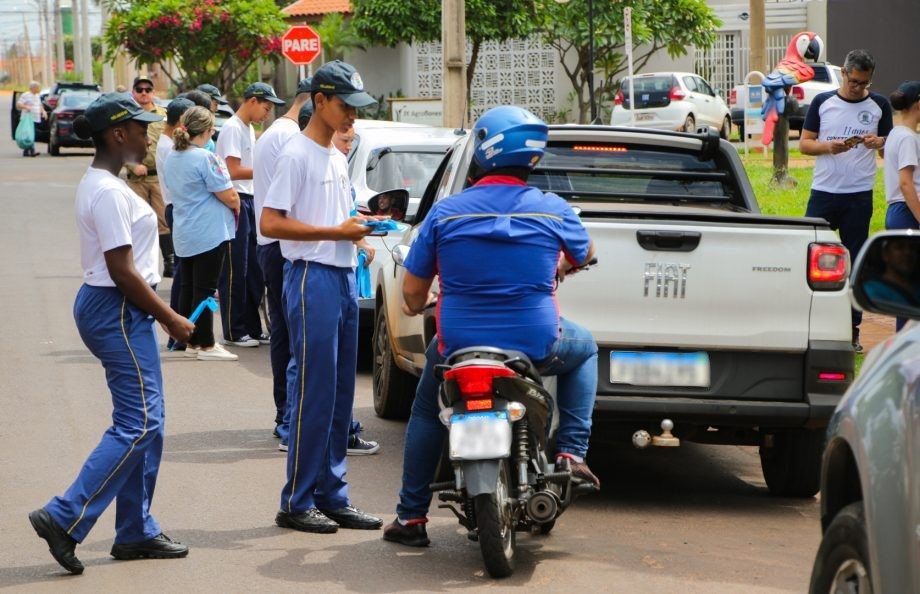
(827, 78)
(680, 101)
(61, 131)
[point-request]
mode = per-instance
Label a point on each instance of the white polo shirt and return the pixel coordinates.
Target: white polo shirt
(311, 185)
(110, 215)
(237, 139)
(265, 157)
(164, 147)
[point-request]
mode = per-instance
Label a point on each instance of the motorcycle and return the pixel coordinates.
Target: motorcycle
(500, 418)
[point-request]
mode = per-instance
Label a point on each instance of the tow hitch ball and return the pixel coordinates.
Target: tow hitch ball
(641, 438)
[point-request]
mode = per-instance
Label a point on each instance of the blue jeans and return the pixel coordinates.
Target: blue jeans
(847, 213)
(899, 216)
(573, 360)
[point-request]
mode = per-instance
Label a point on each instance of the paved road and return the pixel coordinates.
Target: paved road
(694, 519)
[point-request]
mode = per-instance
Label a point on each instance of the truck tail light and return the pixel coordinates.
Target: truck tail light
(618, 100)
(828, 266)
(733, 97)
(799, 93)
(677, 94)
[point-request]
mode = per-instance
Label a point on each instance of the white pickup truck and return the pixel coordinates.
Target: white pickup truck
(732, 324)
(827, 78)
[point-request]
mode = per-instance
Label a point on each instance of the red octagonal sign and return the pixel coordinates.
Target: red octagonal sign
(300, 45)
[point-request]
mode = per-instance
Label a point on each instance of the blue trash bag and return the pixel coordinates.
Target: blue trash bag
(25, 131)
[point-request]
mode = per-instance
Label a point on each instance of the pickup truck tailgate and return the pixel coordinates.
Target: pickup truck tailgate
(694, 285)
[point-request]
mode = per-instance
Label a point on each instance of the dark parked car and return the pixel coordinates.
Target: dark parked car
(870, 476)
(50, 102)
(60, 123)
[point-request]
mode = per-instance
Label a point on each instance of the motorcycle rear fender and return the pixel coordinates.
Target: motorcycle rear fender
(480, 476)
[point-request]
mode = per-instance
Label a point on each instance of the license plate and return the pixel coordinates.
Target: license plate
(639, 368)
(480, 436)
(644, 117)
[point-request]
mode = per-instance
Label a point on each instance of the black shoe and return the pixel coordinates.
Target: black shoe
(311, 520)
(352, 517)
(856, 346)
(61, 544)
(159, 547)
(413, 534)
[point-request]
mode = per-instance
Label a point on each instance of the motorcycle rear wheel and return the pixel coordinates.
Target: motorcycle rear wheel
(495, 521)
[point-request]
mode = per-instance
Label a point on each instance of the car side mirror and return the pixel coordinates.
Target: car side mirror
(886, 278)
(392, 203)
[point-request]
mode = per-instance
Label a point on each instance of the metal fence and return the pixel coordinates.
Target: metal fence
(727, 62)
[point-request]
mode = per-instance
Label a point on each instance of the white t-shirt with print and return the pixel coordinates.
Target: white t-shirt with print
(164, 147)
(110, 215)
(902, 149)
(237, 139)
(311, 185)
(832, 117)
(265, 157)
(34, 104)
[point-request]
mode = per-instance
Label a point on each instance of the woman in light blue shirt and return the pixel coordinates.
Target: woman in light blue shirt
(205, 210)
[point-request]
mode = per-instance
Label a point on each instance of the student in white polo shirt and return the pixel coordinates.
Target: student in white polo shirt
(308, 208)
(241, 283)
(115, 310)
(845, 129)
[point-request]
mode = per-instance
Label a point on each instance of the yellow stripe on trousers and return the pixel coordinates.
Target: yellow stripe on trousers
(121, 463)
(303, 377)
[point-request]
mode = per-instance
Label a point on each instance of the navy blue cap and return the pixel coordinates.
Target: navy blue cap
(176, 108)
(911, 90)
(261, 90)
(213, 91)
(138, 79)
(339, 78)
(306, 112)
(304, 86)
(113, 108)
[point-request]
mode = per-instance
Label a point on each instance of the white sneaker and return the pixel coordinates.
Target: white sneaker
(216, 353)
(244, 341)
(190, 352)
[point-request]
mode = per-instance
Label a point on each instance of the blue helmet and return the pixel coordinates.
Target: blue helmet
(508, 136)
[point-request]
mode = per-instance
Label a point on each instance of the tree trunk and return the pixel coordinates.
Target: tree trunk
(781, 177)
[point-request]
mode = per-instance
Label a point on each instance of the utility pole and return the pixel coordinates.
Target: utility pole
(77, 35)
(30, 76)
(44, 17)
(453, 81)
(87, 45)
(59, 36)
(108, 73)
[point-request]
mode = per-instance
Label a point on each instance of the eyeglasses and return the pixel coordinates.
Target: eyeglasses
(862, 84)
(143, 89)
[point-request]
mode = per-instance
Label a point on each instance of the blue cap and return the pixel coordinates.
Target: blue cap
(176, 108)
(214, 92)
(339, 78)
(260, 90)
(304, 86)
(306, 112)
(113, 108)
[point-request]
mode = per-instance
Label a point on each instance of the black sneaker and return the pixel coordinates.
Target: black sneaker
(158, 547)
(361, 447)
(413, 534)
(311, 520)
(60, 544)
(856, 345)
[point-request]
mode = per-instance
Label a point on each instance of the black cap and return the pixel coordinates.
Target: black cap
(304, 86)
(113, 108)
(138, 79)
(339, 78)
(214, 92)
(306, 112)
(911, 90)
(261, 90)
(176, 108)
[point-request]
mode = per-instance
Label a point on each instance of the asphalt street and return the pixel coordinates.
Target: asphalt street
(685, 520)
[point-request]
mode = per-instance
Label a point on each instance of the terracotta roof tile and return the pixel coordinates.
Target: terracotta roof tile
(317, 7)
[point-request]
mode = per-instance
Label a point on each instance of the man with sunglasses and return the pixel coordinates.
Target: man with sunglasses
(844, 129)
(142, 177)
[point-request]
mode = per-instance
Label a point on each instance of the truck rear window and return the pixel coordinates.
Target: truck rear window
(630, 173)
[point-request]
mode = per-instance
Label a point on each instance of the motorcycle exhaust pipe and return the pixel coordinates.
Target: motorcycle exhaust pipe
(543, 507)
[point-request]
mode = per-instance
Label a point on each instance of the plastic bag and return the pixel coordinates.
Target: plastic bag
(363, 276)
(25, 131)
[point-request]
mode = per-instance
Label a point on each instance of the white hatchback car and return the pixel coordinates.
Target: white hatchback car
(387, 156)
(680, 101)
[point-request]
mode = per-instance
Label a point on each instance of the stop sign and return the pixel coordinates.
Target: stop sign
(68, 65)
(300, 44)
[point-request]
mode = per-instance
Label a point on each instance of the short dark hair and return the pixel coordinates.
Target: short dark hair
(199, 98)
(859, 59)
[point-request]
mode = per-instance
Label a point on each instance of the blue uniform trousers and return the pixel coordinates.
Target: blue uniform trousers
(272, 263)
(322, 316)
(241, 283)
(126, 461)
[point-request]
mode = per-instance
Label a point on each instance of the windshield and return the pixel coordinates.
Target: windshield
(624, 173)
(402, 169)
(78, 100)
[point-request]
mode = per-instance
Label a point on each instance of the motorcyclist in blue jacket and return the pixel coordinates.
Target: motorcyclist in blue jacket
(497, 248)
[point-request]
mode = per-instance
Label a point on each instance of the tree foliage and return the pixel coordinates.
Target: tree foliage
(670, 25)
(210, 41)
(390, 22)
(337, 35)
